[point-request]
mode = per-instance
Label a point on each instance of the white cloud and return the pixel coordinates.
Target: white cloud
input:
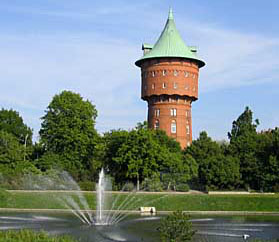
(233, 58)
(101, 68)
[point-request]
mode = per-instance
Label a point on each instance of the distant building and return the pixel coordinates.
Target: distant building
(169, 74)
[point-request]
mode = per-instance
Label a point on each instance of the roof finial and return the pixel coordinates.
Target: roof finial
(170, 13)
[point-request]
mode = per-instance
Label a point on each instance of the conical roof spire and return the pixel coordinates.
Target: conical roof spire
(170, 14)
(170, 44)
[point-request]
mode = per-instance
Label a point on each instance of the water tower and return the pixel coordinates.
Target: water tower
(169, 75)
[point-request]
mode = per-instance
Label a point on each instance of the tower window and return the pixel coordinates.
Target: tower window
(164, 72)
(187, 113)
(153, 73)
(157, 124)
(145, 87)
(186, 87)
(157, 112)
(194, 89)
(153, 86)
(194, 76)
(186, 73)
(187, 129)
(173, 112)
(174, 85)
(175, 73)
(173, 127)
(164, 85)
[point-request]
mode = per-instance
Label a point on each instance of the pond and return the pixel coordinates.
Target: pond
(139, 228)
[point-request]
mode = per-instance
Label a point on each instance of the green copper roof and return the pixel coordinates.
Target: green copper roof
(170, 44)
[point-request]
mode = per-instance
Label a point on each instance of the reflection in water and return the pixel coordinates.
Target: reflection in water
(137, 228)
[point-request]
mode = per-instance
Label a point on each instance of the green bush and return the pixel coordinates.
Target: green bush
(182, 188)
(176, 228)
(87, 186)
(4, 197)
(30, 236)
(129, 186)
(152, 184)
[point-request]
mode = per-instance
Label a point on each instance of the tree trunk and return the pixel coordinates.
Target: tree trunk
(138, 183)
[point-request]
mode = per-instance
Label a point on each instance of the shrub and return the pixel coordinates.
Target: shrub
(182, 188)
(176, 228)
(152, 184)
(87, 186)
(129, 186)
(28, 236)
(4, 197)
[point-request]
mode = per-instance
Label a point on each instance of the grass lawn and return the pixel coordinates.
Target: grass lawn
(30, 236)
(186, 202)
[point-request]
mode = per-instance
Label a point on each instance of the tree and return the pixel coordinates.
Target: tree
(176, 228)
(243, 144)
(215, 169)
(12, 155)
(143, 154)
(68, 130)
(268, 159)
(11, 122)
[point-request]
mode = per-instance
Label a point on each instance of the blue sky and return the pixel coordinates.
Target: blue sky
(90, 47)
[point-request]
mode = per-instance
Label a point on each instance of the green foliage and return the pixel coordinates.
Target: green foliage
(182, 188)
(176, 228)
(243, 144)
(152, 184)
(142, 154)
(12, 123)
(4, 197)
(87, 186)
(129, 186)
(215, 169)
(12, 156)
(30, 236)
(68, 131)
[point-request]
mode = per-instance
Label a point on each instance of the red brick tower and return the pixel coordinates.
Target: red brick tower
(169, 74)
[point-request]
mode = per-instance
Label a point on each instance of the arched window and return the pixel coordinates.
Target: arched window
(153, 73)
(186, 73)
(153, 86)
(174, 85)
(157, 124)
(164, 85)
(164, 72)
(173, 127)
(175, 73)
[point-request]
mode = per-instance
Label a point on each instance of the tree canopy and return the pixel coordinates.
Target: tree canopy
(68, 129)
(12, 122)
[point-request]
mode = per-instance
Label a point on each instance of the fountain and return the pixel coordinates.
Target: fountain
(109, 222)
